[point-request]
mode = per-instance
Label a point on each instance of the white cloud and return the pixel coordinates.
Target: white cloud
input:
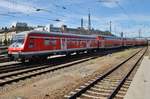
(59, 24)
(110, 3)
(17, 6)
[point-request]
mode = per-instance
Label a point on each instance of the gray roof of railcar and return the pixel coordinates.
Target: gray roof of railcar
(56, 34)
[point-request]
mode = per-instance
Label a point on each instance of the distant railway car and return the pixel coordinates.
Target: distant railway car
(110, 42)
(141, 42)
(37, 44)
(129, 42)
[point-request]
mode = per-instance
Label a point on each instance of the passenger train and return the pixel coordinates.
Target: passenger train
(33, 45)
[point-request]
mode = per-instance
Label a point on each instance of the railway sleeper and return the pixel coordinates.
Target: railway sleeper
(121, 92)
(123, 89)
(104, 87)
(112, 80)
(93, 96)
(119, 96)
(100, 90)
(125, 86)
(109, 84)
(95, 93)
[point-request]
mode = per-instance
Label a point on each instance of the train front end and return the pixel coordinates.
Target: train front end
(17, 46)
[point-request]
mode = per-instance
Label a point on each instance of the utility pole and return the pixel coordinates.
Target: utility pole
(140, 33)
(89, 21)
(81, 23)
(110, 26)
(121, 35)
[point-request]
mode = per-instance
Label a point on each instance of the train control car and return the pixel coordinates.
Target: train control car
(39, 45)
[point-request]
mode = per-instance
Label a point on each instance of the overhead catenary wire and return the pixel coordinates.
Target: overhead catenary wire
(16, 14)
(34, 8)
(121, 8)
(124, 11)
(6, 14)
(117, 3)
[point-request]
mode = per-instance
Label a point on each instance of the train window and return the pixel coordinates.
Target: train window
(20, 41)
(31, 43)
(53, 42)
(47, 42)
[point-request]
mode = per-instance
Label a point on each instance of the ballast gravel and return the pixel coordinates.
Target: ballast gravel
(55, 85)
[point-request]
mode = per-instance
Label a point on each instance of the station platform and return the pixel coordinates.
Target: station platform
(140, 86)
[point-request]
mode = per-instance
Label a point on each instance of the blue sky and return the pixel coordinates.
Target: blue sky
(128, 16)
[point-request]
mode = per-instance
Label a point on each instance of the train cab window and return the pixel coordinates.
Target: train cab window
(18, 39)
(21, 41)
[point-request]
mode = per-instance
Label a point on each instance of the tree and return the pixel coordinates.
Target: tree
(5, 42)
(8, 41)
(0, 42)
(6, 29)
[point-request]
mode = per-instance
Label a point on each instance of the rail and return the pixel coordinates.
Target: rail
(93, 82)
(3, 49)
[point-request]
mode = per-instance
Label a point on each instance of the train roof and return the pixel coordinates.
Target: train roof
(68, 34)
(56, 34)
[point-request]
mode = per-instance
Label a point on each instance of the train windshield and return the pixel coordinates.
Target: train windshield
(18, 39)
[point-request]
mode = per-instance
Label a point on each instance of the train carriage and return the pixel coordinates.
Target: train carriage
(37, 44)
(33, 45)
(110, 42)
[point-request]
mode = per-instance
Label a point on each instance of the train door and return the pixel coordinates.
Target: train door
(88, 43)
(102, 43)
(63, 44)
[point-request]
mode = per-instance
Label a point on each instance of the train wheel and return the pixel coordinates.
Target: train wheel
(68, 54)
(44, 58)
(22, 60)
(12, 59)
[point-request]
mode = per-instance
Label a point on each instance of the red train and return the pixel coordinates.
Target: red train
(39, 45)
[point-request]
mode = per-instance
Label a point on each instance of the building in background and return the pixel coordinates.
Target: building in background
(6, 34)
(79, 30)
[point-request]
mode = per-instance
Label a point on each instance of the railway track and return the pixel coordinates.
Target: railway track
(50, 62)
(3, 52)
(4, 58)
(13, 73)
(27, 73)
(112, 84)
